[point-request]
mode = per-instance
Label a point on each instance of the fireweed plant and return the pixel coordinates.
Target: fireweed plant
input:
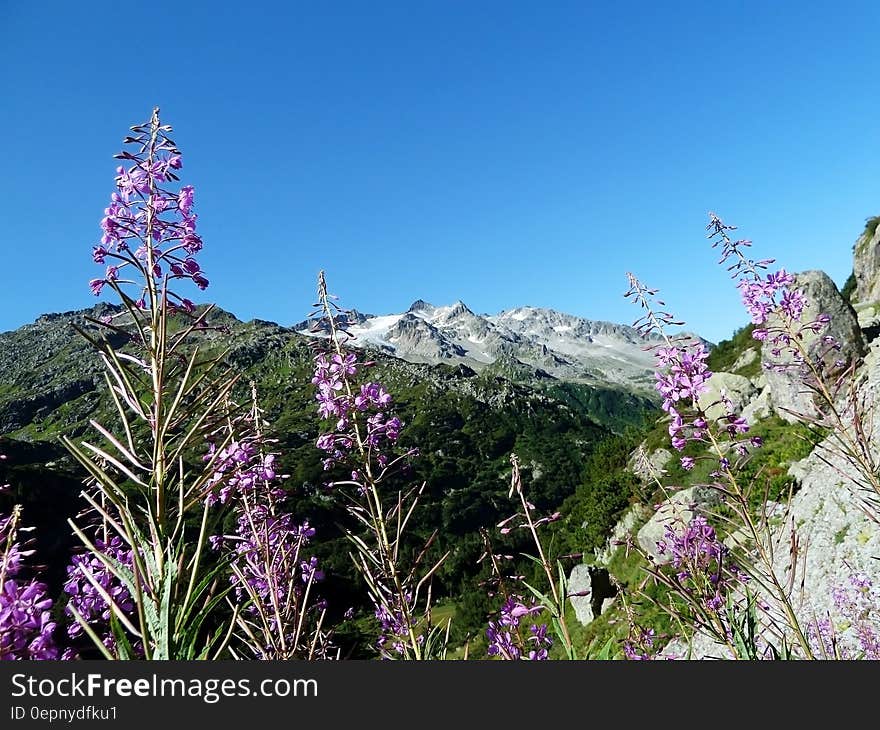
(837, 404)
(275, 610)
(153, 582)
(362, 443)
(147, 579)
(506, 632)
(698, 570)
(837, 408)
(513, 633)
(158, 577)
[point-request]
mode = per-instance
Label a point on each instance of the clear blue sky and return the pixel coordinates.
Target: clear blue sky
(501, 153)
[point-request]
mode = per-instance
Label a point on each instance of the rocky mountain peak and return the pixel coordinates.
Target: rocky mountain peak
(458, 309)
(420, 305)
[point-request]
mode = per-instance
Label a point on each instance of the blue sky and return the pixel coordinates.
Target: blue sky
(501, 153)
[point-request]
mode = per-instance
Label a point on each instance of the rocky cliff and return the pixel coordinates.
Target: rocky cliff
(866, 263)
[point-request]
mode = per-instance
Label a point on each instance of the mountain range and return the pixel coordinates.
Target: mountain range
(524, 343)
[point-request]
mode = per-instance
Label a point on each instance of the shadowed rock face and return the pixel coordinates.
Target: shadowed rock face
(589, 587)
(788, 394)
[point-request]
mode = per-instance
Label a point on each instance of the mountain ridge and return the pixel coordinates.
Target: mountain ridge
(549, 342)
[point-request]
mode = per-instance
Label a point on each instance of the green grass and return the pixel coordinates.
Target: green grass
(442, 613)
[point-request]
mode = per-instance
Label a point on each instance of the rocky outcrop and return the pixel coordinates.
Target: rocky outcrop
(869, 318)
(735, 388)
(787, 392)
(417, 337)
(589, 590)
(832, 521)
(648, 465)
(838, 536)
(866, 264)
(759, 407)
(747, 357)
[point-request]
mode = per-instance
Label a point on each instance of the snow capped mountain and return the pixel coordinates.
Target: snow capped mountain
(543, 341)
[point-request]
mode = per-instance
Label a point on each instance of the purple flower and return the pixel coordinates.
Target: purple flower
(26, 624)
(369, 406)
(185, 199)
(641, 646)
(238, 469)
(505, 641)
(270, 578)
(309, 569)
(87, 599)
(343, 364)
(394, 625)
(159, 220)
(853, 631)
(700, 560)
(792, 304)
(131, 181)
(685, 378)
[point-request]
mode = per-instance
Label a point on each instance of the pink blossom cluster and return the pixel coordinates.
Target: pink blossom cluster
(89, 582)
(149, 228)
(26, 623)
(504, 632)
(770, 294)
(700, 560)
(237, 468)
(853, 632)
(351, 407)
